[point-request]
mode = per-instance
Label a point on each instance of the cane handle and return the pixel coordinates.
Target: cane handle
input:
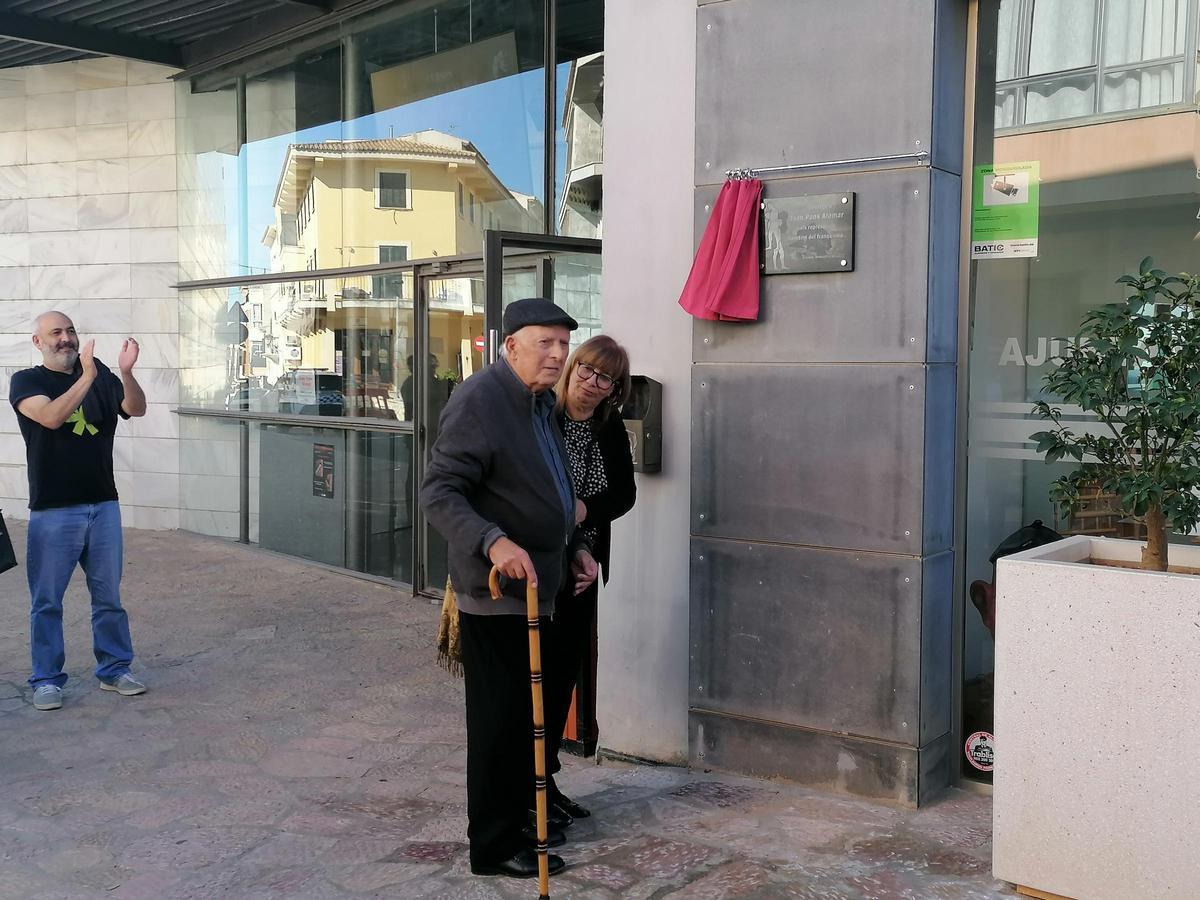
(494, 586)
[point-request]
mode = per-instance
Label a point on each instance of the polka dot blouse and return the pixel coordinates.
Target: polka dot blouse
(587, 465)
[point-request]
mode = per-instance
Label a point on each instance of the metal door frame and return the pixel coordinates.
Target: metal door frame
(461, 267)
(978, 128)
(495, 244)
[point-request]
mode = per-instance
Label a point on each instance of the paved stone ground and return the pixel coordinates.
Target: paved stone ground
(297, 741)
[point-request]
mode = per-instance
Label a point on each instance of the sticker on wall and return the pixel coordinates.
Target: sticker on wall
(1004, 211)
(322, 470)
(981, 751)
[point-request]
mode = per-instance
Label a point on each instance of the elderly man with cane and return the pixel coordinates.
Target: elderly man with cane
(498, 490)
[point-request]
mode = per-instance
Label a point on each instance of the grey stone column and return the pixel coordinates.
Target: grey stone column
(823, 435)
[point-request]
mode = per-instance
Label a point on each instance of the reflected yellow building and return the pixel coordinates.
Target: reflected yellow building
(353, 203)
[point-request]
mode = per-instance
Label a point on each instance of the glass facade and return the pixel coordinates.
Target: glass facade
(334, 198)
(1100, 95)
(1068, 59)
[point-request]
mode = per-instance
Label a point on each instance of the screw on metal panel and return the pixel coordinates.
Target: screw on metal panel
(706, 340)
(704, 384)
(907, 580)
(707, 207)
(917, 143)
(915, 193)
(708, 28)
(701, 515)
(912, 340)
(843, 262)
(701, 555)
(708, 165)
(845, 199)
(912, 387)
(908, 534)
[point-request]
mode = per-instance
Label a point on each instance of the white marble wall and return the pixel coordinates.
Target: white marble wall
(88, 225)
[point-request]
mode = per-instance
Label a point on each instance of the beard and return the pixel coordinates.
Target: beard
(67, 353)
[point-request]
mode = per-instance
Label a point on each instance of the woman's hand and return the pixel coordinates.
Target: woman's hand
(580, 511)
(585, 570)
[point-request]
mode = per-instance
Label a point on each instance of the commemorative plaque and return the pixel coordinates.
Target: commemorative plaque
(813, 233)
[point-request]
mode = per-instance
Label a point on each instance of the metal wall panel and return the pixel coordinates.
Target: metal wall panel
(937, 519)
(937, 645)
(945, 249)
(822, 455)
(829, 761)
(771, 628)
(937, 762)
(795, 81)
(877, 313)
(949, 83)
(823, 434)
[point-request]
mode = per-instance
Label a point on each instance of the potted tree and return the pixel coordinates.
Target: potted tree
(1135, 366)
(1097, 639)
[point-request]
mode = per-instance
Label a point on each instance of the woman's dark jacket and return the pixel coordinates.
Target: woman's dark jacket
(618, 499)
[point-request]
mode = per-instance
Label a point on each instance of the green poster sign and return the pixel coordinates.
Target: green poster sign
(1004, 211)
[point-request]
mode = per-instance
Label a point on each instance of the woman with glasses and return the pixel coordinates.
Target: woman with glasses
(590, 391)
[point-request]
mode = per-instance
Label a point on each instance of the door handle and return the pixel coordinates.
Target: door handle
(493, 344)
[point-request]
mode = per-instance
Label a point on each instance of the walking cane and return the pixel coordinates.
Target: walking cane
(539, 727)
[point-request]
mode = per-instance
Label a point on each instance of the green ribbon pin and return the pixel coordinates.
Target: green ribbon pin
(81, 423)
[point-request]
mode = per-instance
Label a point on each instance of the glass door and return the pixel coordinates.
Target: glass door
(460, 310)
(1084, 163)
(567, 272)
(450, 348)
(453, 344)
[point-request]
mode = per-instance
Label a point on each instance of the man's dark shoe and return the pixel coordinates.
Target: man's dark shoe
(523, 865)
(556, 820)
(553, 838)
(565, 806)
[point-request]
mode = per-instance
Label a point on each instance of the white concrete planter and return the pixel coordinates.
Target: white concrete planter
(1097, 787)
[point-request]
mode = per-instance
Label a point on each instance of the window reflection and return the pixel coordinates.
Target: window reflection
(329, 347)
(408, 121)
(442, 117)
(579, 45)
(1071, 59)
(402, 134)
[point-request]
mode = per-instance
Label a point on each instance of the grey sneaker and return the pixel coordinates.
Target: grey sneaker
(124, 684)
(47, 696)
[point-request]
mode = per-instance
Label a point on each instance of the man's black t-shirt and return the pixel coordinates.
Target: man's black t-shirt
(71, 464)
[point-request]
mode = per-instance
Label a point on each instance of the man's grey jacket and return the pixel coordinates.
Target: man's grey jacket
(488, 477)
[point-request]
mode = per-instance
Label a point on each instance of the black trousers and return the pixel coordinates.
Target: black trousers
(564, 652)
(495, 651)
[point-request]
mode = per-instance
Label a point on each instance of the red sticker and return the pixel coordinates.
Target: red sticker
(981, 751)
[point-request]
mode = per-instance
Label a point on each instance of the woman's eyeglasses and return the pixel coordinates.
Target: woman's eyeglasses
(584, 371)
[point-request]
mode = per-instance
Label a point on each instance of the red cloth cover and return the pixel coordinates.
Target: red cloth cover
(723, 283)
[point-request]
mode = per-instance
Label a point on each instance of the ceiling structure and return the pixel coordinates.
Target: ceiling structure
(167, 32)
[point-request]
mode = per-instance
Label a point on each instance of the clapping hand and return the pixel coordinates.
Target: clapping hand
(87, 358)
(129, 355)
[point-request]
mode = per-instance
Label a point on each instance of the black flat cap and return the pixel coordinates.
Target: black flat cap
(535, 311)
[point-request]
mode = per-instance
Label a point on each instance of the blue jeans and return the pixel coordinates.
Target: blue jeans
(90, 535)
